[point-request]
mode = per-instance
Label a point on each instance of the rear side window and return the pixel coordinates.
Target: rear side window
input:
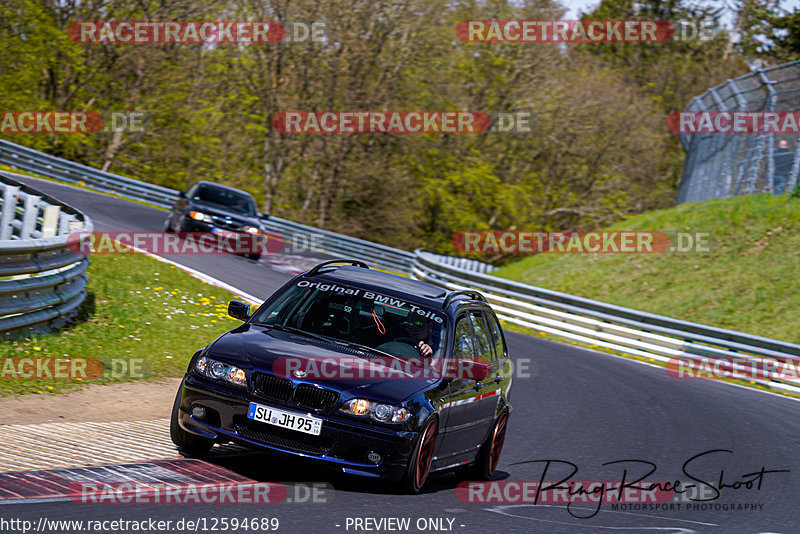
(497, 335)
(483, 340)
(464, 347)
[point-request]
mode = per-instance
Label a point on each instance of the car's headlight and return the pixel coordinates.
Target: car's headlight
(378, 411)
(220, 371)
(251, 230)
(197, 216)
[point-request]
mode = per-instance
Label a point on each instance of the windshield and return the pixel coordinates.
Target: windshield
(225, 198)
(354, 315)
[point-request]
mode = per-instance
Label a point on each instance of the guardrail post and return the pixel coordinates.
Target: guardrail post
(9, 211)
(29, 216)
(50, 221)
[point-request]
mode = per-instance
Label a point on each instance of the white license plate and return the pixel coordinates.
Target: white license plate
(291, 420)
(224, 233)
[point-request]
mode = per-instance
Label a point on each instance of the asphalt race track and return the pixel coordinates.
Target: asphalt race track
(576, 406)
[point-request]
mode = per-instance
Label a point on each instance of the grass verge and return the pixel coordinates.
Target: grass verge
(748, 282)
(143, 319)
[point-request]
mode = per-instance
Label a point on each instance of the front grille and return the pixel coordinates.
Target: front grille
(282, 438)
(220, 222)
(272, 387)
(315, 398)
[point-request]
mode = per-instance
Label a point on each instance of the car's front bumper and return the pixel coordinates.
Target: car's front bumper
(342, 444)
(235, 241)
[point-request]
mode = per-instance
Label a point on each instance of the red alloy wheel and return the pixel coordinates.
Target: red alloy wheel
(498, 438)
(425, 455)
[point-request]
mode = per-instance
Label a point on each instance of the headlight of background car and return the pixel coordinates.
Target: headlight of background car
(220, 371)
(196, 215)
(251, 230)
(383, 413)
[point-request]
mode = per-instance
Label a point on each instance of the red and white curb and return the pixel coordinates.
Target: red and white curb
(59, 484)
(59, 445)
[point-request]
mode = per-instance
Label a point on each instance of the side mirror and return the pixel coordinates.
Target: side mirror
(239, 310)
(263, 215)
(182, 194)
(473, 370)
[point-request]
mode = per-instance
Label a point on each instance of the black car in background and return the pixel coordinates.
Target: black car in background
(368, 372)
(219, 209)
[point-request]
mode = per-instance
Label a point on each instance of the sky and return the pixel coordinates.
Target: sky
(575, 6)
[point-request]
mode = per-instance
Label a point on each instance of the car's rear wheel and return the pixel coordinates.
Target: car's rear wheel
(186, 442)
(489, 454)
(420, 465)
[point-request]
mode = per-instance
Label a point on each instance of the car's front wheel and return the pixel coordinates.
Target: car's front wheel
(420, 465)
(186, 442)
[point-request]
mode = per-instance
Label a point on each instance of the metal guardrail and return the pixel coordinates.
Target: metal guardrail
(629, 331)
(68, 171)
(389, 258)
(324, 241)
(42, 282)
(634, 332)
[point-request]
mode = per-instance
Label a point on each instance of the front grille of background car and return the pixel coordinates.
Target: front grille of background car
(281, 437)
(220, 222)
(272, 387)
(314, 397)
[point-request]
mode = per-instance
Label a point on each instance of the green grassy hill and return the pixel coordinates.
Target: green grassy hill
(750, 281)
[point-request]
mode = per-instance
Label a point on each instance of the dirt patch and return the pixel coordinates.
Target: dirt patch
(133, 401)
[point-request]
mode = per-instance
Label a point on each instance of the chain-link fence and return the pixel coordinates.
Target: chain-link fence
(721, 165)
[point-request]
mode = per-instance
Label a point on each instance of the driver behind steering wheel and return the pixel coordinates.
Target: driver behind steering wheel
(419, 329)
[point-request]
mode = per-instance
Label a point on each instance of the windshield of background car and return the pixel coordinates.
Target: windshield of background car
(351, 314)
(227, 199)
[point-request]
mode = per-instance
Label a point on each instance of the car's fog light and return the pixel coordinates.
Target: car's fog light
(374, 457)
(198, 412)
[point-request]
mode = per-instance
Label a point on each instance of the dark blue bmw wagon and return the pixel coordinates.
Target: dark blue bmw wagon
(367, 372)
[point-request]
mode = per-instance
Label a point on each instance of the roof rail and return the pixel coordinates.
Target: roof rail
(317, 268)
(467, 292)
